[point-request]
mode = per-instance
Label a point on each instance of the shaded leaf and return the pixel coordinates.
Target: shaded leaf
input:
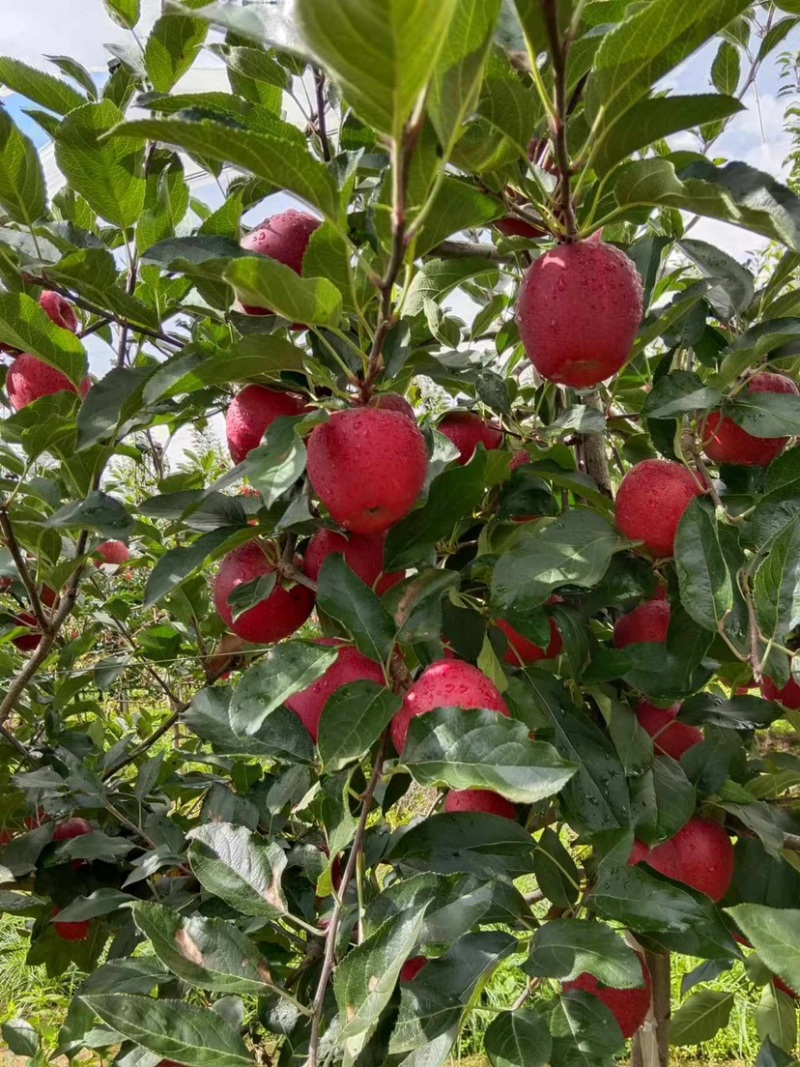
(240, 867)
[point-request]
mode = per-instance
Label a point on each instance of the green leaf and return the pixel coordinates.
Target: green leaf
(106, 170)
(457, 74)
(100, 902)
(658, 117)
(663, 800)
(566, 948)
(767, 414)
(705, 582)
(483, 750)
(283, 736)
(679, 392)
(735, 193)
(354, 716)
(20, 1037)
(518, 1038)
(556, 872)
(263, 282)
(475, 844)
(22, 188)
(278, 159)
(381, 53)
(343, 596)
(248, 594)
(701, 1017)
(631, 740)
(777, 585)
(286, 669)
(507, 103)
(642, 48)
(437, 277)
(738, 713)
(109, 403)
(39, 86)
(99, 512)
(241, 868)
(583, 1030)
(750, 347)
(775, 935)
(177, 564)
(209, 953)
(197, 1037)
(93, 274)
(573, 549)
(365, 980)
(453, 493)
(275, 466)
(776, 1018)
(736, 288)
(24, 325)
(171, 49)
(726, 68)
(433, 1003)
(456, 206)
(328, 257)
(124, 12)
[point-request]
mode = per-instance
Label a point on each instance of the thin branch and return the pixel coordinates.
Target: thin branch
(333, 928)
(559, 50)
(22, 568)
(319, 84)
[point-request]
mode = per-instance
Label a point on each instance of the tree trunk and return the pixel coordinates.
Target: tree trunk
(651, 1043)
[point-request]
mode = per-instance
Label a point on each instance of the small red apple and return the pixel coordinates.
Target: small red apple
(367, 466)
(448, 683)
(483, 801)
(579, 309)
(651, 500)
(671, 738)
(350, 666)
(726, 442)
(784, 988)
(700, 855)
(112, 552)
(30, 379)
(284, 238)
(788, 696)
(467, 430)
(252, 411)
(519, 459)
(27, 642)
(393, 402)
(78, 931)
(628, 1006)
(514, 227)
(363, 554)
(69, 828)
(411, 968)
(59, 310)
(522, 650)
(649, 623)
(275, 617)
(5, 837)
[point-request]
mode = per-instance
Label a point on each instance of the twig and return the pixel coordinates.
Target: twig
(558, 122)
(22, 568)
(319, 83)
(333, 928)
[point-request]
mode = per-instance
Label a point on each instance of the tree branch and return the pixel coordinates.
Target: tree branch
(559, 50)
(22, 568)
(322, 130)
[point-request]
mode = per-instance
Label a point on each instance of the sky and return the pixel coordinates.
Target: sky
(32, 29)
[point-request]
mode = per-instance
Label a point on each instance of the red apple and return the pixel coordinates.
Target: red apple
(411, 968)
(483, 801)
(700, 855)
(252, 411)
(784, 988)
(363, 554)
(650, 503)
(367, 466)
(350, 666)
(467, 430)
(275, 617)
(514, 227)
(726, 442)
(648, 623)
(522, 650)
(519, 459)
(788, 696)
(628, 1006)
(27, 642)
(393, 402)
(448, 683)
(78, 931)
(30, 378)
(60, 310)
(671, 738)
(5, 837)
(579, 309)
(69, 828)
(113, 552)
(282, 237)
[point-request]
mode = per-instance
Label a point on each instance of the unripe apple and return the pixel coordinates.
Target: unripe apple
(467, 430)
(523, 650)
(78, 931)
(628, 1006)
(30, 378)
(483, 801)
(350, 666)
(411, 968)
(651, 500)
(393, 402)
(726, 442)
(670, 738)
(448, 683)
(700, 855)
(284, 238)
(112, 552)
(649, 623)
(252, 411)
(788, 696)
(275, 617)
(27, 642)
(578, 311)
(367, 466)
(59, 309)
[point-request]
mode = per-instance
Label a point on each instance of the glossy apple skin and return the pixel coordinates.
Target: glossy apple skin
(284, 238)
(467, 430)
(726, 442)
(275, 617)
(30, 378)
(649, 623)
(628, 1006)
(700, 855)
(670, 738)
(350, 666)
(651, 501)
(483, 801)
(250, 414)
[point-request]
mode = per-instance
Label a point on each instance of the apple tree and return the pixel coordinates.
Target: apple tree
(477, 651)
